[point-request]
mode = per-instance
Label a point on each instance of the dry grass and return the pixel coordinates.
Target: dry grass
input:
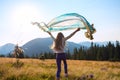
(35, 69)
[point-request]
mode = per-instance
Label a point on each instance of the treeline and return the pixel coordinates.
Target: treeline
(109, 52)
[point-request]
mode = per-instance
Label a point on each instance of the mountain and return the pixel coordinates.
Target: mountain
(41, 45)
(37, 46)
(86, 44)
(7, 48)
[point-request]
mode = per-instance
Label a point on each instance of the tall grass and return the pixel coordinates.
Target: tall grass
(35, 69)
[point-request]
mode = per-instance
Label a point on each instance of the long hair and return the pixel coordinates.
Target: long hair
(58, 43)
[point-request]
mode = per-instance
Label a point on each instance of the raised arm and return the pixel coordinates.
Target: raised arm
(66, 38)
(51, 35)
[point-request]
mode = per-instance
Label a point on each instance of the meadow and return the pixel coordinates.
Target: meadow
(35, 69)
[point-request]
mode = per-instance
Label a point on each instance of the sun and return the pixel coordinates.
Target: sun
(23, 15)
(20, 20)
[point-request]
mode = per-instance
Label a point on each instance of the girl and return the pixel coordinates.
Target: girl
(58, 48)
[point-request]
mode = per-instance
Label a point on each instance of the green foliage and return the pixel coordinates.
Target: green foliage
(110, 52)
(1, 55)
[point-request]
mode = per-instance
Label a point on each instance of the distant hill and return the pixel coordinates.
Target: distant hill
(7, 48)
(37, 46)
(41, 45)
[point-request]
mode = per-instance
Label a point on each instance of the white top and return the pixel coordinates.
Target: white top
(64, 40)
(62, 47)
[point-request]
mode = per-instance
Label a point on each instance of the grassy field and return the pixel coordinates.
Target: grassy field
(35, 69)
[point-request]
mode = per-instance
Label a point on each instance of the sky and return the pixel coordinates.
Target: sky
(16, 17)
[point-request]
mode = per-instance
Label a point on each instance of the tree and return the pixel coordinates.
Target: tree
(117, 51)
(75, 53)
(69, 54)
